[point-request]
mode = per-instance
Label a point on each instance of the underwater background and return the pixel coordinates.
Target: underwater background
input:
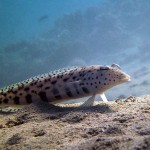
(38, 36)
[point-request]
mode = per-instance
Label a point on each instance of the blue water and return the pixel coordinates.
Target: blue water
(37, 36)
(19, 18)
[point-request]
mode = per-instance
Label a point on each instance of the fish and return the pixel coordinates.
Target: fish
(42, 18)
(65, 84)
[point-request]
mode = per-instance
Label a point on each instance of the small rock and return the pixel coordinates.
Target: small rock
(145, 131)
(73, 117)
(113, 130)
(15, 139)
(143, 144)
(39, 133)
(118, 100)
(130, 99)
(123, 118)
(92, 131)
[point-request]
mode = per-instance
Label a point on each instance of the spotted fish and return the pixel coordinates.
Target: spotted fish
(64, 85)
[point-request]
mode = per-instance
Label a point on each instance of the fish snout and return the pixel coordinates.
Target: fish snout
(125, 77)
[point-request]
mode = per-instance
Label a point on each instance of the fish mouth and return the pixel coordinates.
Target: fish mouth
(125, 77)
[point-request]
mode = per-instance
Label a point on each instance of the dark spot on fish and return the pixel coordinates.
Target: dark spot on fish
(104, 83)
(19, 87)
(32, 91)
(40, 85)
(65, 79)
(91, 83)
(89, 78)
(5, 101)
(69, 93)
(109, 79)
(15, 92)
(71, 74)
(78, 92)
(74, 77)
(55, 91)
(105, 78)
(10, 97)
(97, 77)
(114, 80)
(101, 74)
(54, 82)
(58, 97)
(20, 94)
(85, 90)
(35, 83)
(16, 100)
(80, 75)
(28, 98)
(43, 96)
(27, 89)
(4, 94)
(99, 82)
(48, 87)
(96, 87)
(81, 84)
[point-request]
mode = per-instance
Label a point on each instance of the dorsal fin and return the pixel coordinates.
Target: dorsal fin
(63, 70)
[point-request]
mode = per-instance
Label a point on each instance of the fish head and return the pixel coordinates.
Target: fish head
(112, 75)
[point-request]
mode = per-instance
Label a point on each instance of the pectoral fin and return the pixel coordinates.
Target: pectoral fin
(103, 97)
(89, 102)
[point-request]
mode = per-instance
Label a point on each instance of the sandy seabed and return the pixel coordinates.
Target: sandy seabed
(120, 125)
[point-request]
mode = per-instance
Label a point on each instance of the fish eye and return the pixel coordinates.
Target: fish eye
(104, 68)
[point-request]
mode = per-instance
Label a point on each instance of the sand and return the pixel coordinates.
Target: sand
(117, 125)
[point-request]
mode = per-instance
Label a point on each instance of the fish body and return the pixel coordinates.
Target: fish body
(63, 85)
